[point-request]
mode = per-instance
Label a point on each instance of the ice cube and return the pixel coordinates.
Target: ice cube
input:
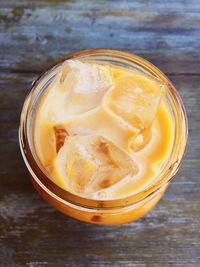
(89, 82)
(77, 88)
(142, 139)
(60, 134)
(54, 103)
(91, 163)
(102, 122)
(136, 99)
(89, 77)
(79, 103)
(49, 138)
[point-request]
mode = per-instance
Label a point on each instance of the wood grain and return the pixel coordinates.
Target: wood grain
(41, 32)
(34, 35)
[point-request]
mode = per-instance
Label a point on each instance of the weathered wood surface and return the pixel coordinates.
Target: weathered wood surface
(166, 33)
(35, 34)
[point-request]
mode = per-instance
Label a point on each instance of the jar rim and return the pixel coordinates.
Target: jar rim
(68, 197)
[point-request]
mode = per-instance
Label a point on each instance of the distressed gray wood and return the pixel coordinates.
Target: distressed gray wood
(41, 32)
(34, 35)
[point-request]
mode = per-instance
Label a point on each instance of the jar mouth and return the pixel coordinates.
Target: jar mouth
(180, 139)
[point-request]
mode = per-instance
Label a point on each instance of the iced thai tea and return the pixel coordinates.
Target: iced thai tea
(104, 132)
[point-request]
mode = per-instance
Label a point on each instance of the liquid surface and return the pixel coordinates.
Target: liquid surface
(103, 131)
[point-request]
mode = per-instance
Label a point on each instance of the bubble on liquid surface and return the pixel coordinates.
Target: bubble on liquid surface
(92, 163)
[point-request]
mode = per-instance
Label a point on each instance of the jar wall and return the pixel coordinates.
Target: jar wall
(100, 216)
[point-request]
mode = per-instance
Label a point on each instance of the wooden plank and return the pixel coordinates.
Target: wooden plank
(40, 33)
(127, 4)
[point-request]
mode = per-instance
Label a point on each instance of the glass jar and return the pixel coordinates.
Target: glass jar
(102, 211)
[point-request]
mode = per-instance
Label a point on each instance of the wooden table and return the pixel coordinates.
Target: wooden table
(36, 34)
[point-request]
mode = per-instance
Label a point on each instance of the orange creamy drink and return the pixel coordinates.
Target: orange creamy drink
(102, 134)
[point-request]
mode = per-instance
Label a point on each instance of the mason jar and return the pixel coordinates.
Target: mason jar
(114, 211)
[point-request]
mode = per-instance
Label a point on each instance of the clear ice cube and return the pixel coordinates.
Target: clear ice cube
(92, 163)
(135, 99)
(88, 77)
(90, 83)
(78, 88)
(142, 139)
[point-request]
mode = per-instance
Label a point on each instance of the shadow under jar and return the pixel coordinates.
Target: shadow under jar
(114, 211)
